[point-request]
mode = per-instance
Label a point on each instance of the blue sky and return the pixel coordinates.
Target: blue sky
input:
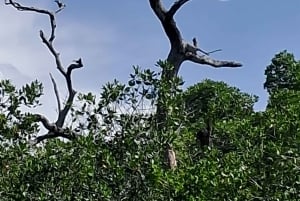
(111, 36)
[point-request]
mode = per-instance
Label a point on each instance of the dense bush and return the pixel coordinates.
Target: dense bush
(118, 153)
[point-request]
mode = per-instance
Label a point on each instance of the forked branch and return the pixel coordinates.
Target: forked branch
(181, 50)
(54, 129)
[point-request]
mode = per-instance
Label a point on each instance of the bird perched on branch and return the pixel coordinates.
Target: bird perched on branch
(195, 42)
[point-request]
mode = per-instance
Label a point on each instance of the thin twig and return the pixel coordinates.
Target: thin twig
(56, 92)
(218, 50)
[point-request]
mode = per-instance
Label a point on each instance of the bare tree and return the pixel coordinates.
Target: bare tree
(180, 51)
(55, 129)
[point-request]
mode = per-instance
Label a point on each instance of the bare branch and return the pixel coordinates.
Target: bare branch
(20, 7)
(218, 50)
(167, 22)
(54, 129)
(158, 9)
(48, 42)
(63, 113)
(180, 50)
(202, 59)
(56, 93)
(54, 53)
(46, 123)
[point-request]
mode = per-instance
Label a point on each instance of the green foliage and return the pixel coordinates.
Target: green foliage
(282, 73)
(118, 153)
(219, 104)
(14, 123)
(217, 100)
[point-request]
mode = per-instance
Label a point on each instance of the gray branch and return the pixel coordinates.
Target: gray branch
(56, 93)
(206, 60)
(54, 129)
(181, 50)
(168, 22)
(63, 113)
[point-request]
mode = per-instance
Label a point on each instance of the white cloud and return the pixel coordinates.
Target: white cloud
(23, 57)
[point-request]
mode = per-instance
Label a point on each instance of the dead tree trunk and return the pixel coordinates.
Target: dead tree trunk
(180, 50)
